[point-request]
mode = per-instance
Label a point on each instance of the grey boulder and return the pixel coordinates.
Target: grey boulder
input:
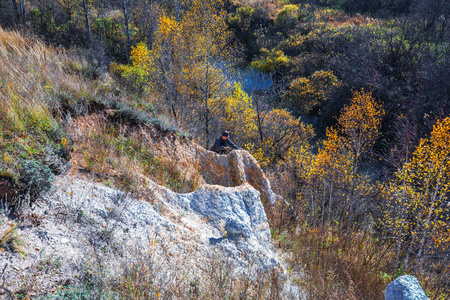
(405, 287)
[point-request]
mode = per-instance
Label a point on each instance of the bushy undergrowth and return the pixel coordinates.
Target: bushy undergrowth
(338, 264)
(35, 177)
(10, 240)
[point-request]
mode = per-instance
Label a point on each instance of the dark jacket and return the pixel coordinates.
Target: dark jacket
(220, 144)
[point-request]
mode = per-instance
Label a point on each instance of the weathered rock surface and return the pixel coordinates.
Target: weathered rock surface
(405, 287)
(234, 169)
(77, 218)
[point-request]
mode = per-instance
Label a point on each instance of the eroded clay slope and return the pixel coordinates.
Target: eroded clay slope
(233, 169)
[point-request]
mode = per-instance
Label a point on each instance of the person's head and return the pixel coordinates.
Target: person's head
(225, 135)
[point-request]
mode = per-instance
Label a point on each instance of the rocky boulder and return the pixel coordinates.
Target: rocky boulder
(405, 287)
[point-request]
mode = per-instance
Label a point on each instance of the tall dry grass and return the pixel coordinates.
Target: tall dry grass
(118, 154)
(338, 264)
(22, 102)
(154, 275)
(32, 76)
(41, 89)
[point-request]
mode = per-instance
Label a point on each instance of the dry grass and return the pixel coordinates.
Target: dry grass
(338, 18)
(32, 78)
(22, 97)
(10, 240)
(338, 265)
(119, 154)
(154, 275)
(41, 89)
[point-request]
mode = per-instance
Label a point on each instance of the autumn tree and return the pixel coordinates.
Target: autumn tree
(145, 15)
(209, 52)
(330, 178)
(334, 189)
(272, 61)
(167, 56)
(417, 214)
(305, 94)
(270, 138)
(190, 54)
(282, 131)
(359, 123)
(286, 18)
(240, 115)
(137, 74)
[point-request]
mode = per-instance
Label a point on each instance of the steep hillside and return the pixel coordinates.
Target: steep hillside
(68, 134)
(80, 232)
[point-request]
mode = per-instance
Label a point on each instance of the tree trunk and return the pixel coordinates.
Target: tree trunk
(125, 14)
(258, 115)
(88, 26)
(207, 106)
(23, 10)
(16, 9)
(100, 11)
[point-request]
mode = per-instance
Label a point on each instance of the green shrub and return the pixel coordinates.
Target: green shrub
(35, 177)
(133, 116)
(56, 159)
(242, 18)
(287, 16)
(271, 60)
(162, 126)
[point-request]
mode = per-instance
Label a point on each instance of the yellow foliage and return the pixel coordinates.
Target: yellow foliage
(287, 16)
(416, 208)
(281, 132)
(334, 158)
(205, 29)
(240, 115)
(271, 60)
(184, 57)
(306, 93)
(140, 56)
(242, 18)
(360, 122)
(116, 69)
(63, 142)
(331, 185)
(259, 155)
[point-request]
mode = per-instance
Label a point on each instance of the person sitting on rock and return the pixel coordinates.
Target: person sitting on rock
(222, 144)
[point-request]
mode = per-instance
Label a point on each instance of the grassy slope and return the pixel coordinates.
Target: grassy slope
(39, 89)
(43, 91)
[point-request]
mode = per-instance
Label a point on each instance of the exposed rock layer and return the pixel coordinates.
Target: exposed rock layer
(234, 169)
(78, 217)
